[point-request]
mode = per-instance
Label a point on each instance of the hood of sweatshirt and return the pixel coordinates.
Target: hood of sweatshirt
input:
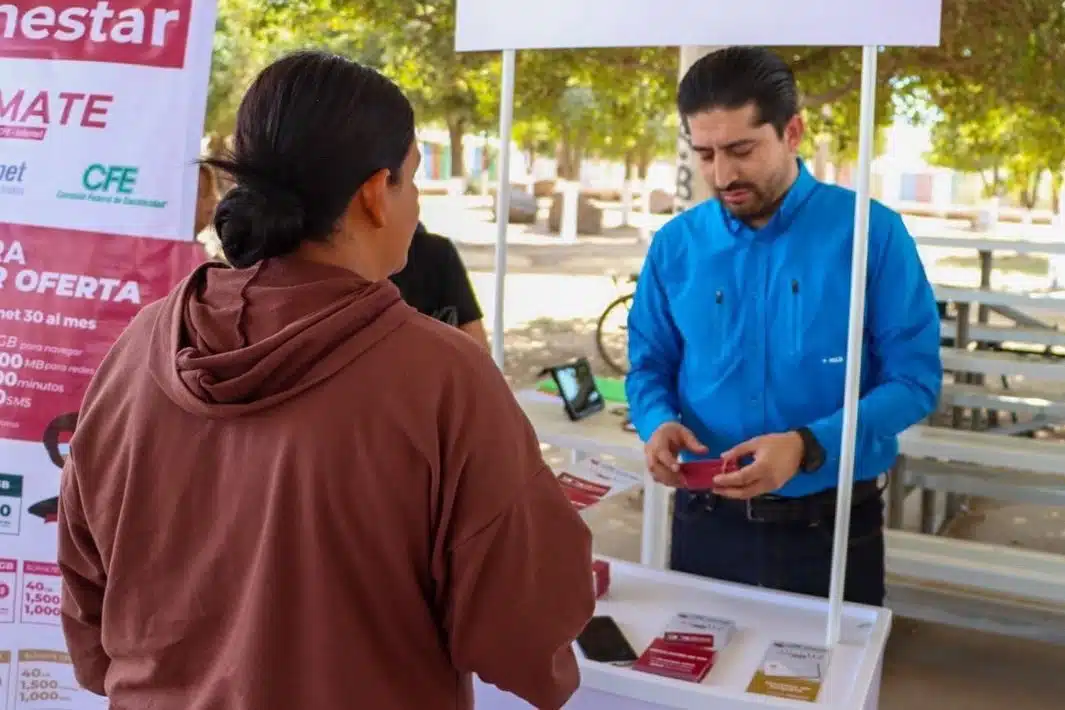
(228, 342)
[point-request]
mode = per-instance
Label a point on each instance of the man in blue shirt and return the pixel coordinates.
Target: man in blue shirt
(738, 342)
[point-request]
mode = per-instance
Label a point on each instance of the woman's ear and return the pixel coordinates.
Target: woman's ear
(373, 198)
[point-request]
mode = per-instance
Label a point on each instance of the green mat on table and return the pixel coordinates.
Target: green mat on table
(612, 388)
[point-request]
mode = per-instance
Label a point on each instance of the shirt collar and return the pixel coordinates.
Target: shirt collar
(793, 201)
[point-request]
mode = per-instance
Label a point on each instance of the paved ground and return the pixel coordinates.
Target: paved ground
(553, 295)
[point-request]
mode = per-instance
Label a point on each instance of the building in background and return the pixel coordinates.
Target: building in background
(436, 156)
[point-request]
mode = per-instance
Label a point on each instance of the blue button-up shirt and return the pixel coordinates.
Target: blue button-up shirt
(738, 332)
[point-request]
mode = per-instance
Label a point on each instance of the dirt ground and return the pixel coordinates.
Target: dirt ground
(552, 299)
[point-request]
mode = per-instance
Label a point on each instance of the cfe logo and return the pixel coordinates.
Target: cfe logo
(110, 179)
(141, 32)
(111, 184)
(12, 176)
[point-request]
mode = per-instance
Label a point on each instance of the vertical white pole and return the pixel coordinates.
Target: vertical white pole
(856, 326)
(506, 130)
(654, 535)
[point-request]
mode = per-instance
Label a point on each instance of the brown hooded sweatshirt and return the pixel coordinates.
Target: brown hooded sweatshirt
(289, 490)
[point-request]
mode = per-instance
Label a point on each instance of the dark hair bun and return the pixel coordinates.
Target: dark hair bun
(255, 224)
(312, 129)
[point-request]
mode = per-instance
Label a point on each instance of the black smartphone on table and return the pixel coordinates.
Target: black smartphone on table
(602, 641)
(577, 388)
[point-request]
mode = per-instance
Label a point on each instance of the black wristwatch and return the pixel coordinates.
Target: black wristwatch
(813, 454)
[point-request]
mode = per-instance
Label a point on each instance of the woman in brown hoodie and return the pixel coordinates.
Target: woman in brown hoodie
(290, 490)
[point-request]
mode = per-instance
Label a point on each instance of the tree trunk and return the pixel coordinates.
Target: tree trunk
(577, 155)
(575, 163)
(1037, 182)
(456, 131)
(1030, 192)
(822, 148)
(996, 181)
(643, 164)
(630, 164)
(1057, 180)
(529, 149)
(569, 158)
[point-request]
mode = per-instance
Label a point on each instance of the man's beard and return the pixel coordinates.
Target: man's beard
(760, 206)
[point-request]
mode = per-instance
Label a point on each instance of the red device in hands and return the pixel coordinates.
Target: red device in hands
(700, 475)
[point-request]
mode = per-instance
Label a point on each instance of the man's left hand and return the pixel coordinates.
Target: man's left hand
(777, 458)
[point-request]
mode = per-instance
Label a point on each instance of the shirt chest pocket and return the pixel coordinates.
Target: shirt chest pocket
(709, 321)
(813, 324)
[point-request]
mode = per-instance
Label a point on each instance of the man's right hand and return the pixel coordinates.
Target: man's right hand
(663, 450)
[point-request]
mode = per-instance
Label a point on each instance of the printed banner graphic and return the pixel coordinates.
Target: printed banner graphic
(62, 308)
(101, 114)
(153, 34)
(101, 111)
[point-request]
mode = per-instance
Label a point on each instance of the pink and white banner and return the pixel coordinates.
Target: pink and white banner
(101, 115)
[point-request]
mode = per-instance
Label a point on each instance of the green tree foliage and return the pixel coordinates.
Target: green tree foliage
(618, 103)
(614, 103)
(1012, 147)
(458, 91)
(637, 88)
(249, 34)
(996, 92)
(237, 55)
(836, 122)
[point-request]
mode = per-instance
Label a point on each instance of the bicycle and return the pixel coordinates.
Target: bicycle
(612, 339)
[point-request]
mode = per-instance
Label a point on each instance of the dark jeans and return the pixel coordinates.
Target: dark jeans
(793, 557)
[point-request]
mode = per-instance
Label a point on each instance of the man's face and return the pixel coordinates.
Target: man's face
(748, 165)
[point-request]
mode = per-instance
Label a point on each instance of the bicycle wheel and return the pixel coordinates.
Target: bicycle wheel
(611, 334)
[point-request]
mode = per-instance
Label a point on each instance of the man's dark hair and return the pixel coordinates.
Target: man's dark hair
(310, 131)
(733, 77)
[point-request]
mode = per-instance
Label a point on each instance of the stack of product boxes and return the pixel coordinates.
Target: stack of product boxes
(686, 648)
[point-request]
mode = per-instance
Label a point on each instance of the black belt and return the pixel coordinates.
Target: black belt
(778, 509)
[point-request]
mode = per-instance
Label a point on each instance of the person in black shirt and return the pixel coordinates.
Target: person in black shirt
(435, 282)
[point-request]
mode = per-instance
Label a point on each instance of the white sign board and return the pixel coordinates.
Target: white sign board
(101, 115)
(493, 25)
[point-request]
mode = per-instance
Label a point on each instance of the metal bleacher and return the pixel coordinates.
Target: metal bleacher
(998, 588)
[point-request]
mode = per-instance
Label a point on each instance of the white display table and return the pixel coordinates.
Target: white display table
(602, 435)
(599, 434)
(642, 600)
